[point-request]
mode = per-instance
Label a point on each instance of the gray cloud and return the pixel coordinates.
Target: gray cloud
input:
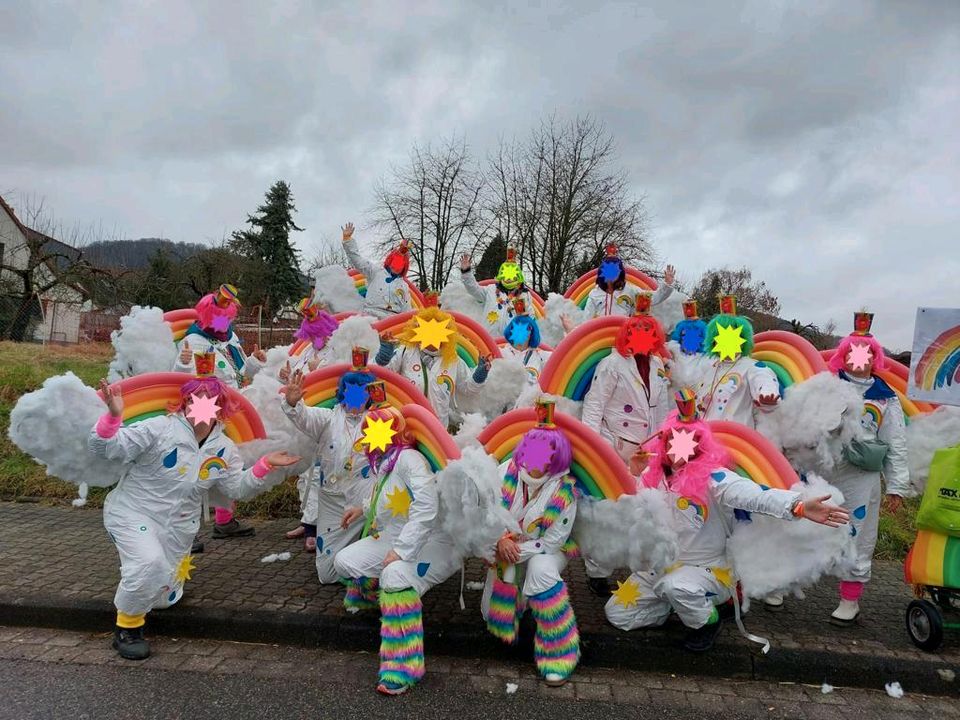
(814, 142)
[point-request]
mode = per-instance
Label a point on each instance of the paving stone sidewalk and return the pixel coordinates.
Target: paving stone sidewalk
(354, 672)
(58, 568)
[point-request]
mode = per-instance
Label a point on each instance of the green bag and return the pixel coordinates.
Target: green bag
(940, 507)
(866, 454)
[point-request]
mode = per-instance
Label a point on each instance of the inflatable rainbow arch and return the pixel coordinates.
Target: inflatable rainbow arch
(473, 342)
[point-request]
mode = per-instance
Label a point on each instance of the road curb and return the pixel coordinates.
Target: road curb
(656, 651)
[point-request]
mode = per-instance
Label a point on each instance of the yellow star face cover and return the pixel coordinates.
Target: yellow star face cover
(378, 434)
(729, 341)
(431, 334)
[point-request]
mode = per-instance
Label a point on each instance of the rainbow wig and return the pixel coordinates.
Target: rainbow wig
(384, 460)
(838, 360)
(640, 324)
(318, 330)
(354, 377)
(693, 477)
(690, 336)
(741, 321)
(207, 309)
(518, 325)
(534, 441)
(210, 387)
(448, 350)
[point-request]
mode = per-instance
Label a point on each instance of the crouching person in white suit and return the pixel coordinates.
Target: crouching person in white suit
(402, 546)
(689, 464)
(153, 513)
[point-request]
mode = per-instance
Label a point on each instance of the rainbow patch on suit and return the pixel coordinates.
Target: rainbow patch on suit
(446, 381)
(686, 503)
(873, 412)
(212, 463)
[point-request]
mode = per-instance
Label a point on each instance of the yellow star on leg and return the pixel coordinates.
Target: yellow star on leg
(184, 568)
(431, 333)
(728, 342)
(398, 502)
(724, 575)
(378, 434)
(627, 593)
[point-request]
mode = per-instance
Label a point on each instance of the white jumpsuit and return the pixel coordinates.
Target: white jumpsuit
(541, 554)
(153, 513)
(442, 385)
(730, 389)
(701, 578)
(533, 359)
(338, 480)
(883, 420)
(621, 302)
(386, 295)
(403, 508)
(497, 306)
(226, 367)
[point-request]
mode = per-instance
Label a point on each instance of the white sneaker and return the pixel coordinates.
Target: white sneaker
(554, 680)
(846, 612)
(774, 601)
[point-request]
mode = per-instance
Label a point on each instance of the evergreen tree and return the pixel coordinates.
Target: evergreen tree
(495, 253)
(274, 278)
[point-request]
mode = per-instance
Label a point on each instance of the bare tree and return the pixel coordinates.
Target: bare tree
(328, 254)
(556, 198)
(753, 296)
(40, 259)
(435, 202)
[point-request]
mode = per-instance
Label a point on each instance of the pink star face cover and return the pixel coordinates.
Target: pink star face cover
(202, 409)
(682, 445)
(221, 323)
(860, 356)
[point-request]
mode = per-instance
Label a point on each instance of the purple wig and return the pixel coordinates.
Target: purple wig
(542, 443)
(838, 361)
(318, 330)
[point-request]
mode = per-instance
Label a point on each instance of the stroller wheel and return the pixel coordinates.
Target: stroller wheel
(924, 625)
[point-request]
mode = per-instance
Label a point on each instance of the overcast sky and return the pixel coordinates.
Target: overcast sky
(817, 143)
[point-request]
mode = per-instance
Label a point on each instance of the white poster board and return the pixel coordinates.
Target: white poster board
(935, 363)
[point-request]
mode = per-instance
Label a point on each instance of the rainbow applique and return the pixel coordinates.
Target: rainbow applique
(581, 287)
(360, 283)
(702, 511)
(872, 411)
(150, 395)
(473, 340)
(538, 305)
(599, 471)
(897, 376)
(939, 365)
(444, 380)
(320, 387)
(791, 357)
(212, 463)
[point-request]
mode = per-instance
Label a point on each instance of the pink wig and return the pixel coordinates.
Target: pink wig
(536, 440)
(838, 361)
(210, 387)
(207, 309)
(318, 330)
(693, 477)
(384, 460)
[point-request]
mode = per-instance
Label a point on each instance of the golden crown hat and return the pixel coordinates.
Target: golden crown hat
(686, 400)
(643, 303)
(359, 357)
(862, 323)
(545, 408)
(205, 364)
(728, 304)
(377, 392)
(519, 306)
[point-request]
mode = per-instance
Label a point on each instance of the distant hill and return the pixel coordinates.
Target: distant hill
(136, 254)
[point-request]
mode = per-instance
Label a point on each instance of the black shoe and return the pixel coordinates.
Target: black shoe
(701, 639)
(130, 643)
(599, 587)
(196, 548)
(233, 529)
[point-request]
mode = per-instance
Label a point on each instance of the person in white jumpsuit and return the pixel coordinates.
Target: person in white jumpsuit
(613, 296)
(340, 477)
(522, 334)
(497, 301)
(387, 291)
(538, 491)
(627, 400)
(880, 451)
(705, 495)
(315, 330)
(153, 513)
(732, 385)
(431, 362)
(213, 332)
(687, 359)
(403, 546)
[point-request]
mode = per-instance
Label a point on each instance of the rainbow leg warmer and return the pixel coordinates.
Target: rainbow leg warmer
(503, 616)
(401, 637)
(556, 646)
(361, 594)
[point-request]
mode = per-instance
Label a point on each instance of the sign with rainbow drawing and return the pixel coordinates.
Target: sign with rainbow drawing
(935, 363)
